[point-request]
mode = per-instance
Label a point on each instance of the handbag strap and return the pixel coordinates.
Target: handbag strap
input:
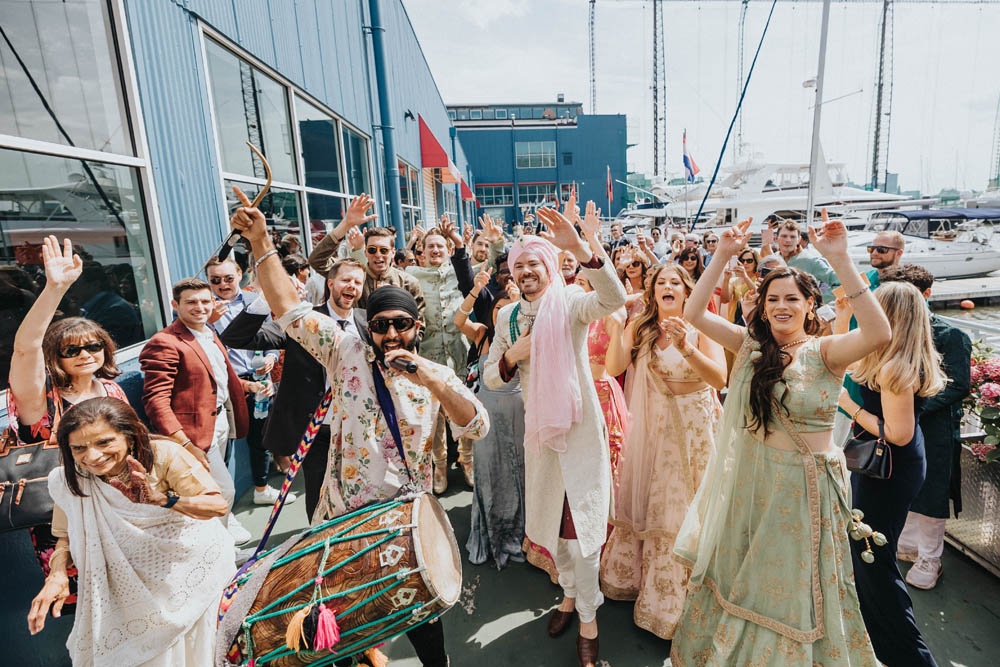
(300, 454)
(389, 411)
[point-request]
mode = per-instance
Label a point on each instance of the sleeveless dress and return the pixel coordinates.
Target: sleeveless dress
(671, 440)
(497, 528)
(777, 588)
(885, 603)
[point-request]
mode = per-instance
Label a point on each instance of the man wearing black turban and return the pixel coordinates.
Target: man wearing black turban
(380, 440)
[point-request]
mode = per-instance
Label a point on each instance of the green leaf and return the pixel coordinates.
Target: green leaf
(993, 455)
(989, 413)
(991, 440)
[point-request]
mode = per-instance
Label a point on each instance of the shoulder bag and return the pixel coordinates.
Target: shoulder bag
(869, 456)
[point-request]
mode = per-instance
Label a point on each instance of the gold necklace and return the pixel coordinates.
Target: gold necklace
(794, 343)
(123, 477)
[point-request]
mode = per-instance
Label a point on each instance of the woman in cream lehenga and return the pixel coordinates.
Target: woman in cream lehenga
(137, 516)
(766, 537)
(673, 375)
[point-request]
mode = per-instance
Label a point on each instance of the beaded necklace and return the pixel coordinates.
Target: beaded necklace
(515, 328)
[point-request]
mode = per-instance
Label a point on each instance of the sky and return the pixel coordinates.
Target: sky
(945, 84)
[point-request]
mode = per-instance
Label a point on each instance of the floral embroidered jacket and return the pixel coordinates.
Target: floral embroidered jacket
(364, 464)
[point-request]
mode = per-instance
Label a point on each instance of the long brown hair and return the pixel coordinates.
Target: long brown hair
(699, 268)
(770, 366)
(647, 328)
(72, 331)
(120, 416)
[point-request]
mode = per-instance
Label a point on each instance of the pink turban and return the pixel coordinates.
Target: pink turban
(554, 400)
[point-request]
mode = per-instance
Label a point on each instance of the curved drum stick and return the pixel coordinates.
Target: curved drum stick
(234, 236)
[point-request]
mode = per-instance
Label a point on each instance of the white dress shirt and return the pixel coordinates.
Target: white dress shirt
(216, 360)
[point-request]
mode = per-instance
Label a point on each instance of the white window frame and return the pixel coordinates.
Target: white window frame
(122, 52)
(541, 155)
(501, 114)
(207, 32)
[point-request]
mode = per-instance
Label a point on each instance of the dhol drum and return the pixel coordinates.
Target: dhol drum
(348, 585)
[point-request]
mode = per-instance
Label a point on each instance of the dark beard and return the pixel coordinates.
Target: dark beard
(412, 346)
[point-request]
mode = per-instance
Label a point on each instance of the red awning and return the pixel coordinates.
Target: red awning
(466, 192)
(432, 154)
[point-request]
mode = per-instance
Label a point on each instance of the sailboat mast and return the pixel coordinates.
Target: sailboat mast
(817, 113)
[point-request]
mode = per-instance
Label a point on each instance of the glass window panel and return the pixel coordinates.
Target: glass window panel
(476, 114)
(325, 212)
(98, 207)
(463, 114)
(320, 151)
(356, 161)
(272, 110)
(521, 148)
(225, 74)
(488, 114)
(414, 188)
(279, 206)
(501, 114)
(451, 114)
(68, 53)
(404, 190)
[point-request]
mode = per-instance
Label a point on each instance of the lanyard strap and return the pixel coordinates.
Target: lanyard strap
(389, 410)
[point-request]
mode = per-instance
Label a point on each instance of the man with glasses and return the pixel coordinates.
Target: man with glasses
(372, 458)
(250, 366)
(660, 246)
(375, 251)
(886, 250)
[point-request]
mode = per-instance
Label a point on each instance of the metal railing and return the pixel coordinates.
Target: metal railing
(988, 333)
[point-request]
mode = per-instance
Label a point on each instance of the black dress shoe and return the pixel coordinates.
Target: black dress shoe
(559, 621)
(586, 651)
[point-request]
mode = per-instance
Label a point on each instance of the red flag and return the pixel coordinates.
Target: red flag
(611, 190)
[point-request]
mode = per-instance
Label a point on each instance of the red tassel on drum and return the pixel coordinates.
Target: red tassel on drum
(327, 630)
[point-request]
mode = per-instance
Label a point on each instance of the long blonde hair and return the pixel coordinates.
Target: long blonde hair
(647, 328)
(909, 360)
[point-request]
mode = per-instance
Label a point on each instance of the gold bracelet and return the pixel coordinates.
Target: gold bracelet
(856, 413)
(688, 354)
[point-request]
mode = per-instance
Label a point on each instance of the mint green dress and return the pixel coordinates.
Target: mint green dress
(767, 538)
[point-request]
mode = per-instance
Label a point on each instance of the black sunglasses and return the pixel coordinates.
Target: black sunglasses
(217, 280)
(711, 241)
(764, 271)
(881, 249)
(635, 264)
(382, 250)
(71, 351)
(381, 325)
(747, 260)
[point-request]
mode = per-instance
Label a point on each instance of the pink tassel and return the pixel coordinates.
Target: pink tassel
(327, 630)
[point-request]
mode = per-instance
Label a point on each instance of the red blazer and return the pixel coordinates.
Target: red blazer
(179, 390)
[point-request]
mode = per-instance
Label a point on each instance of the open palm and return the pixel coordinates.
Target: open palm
(62, 266)
(561, 233)
(830, 238)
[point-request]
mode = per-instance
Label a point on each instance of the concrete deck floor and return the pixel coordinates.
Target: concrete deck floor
(501, 616)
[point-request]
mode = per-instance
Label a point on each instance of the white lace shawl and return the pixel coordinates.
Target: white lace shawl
(147, 574)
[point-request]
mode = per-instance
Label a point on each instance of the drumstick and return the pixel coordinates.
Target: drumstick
(234, 236)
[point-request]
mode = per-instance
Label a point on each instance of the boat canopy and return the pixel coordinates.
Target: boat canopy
(943, 214)
(927, 222)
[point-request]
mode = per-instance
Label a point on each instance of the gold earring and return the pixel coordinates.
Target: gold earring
(810, 315)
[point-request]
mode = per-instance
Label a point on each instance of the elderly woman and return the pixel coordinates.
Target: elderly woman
(137, 515)
(71, 362)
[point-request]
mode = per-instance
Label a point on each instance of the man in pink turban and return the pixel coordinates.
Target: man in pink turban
(567, 466)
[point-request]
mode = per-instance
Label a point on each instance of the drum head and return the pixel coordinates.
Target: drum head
(437, 550)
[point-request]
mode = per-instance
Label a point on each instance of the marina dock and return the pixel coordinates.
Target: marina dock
(984, 290)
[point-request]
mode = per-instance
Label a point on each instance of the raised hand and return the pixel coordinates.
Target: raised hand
(248, 219)
(591, 225)
(831, 238)
(447, 228)
(356, 212)
(732, 240)
(138, 489)
(355, 239)
(676, 330)
(491, 229)
(62, 265)
(561, 233)
(219, 308)
(481, 280)
(469, 233)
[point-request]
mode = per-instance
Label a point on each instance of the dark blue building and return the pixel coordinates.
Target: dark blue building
(525, 155)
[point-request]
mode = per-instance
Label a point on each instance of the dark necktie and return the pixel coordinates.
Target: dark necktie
(343, 324)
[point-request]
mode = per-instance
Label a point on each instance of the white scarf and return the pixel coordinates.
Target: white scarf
(147, 574)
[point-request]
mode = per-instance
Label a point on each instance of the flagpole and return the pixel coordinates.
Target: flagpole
(817, 112)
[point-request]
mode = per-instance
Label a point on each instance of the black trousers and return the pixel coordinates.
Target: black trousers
(314, 468)
(260, 458)
(428, 642)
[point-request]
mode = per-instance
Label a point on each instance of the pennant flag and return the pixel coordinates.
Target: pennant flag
(690, 168)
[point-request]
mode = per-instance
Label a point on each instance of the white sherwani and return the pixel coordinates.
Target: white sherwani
(583, 472)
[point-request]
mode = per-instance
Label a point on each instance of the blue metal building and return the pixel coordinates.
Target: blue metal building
(123, 125)
(524, 155)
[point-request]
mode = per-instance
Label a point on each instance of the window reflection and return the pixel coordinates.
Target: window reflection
(318, 140)
(249, 106)
(98, 207)
(64, 49)
(325, 212)
(356, 161)
(281, 209)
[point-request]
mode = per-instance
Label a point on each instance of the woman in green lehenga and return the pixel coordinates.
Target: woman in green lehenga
(766, 537)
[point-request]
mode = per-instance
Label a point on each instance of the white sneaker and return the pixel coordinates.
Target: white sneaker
(269, 495)
(240, 534)
(906, 555)
(924, 573)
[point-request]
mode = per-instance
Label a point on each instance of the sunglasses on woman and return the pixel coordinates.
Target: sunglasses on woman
(381, 250)
(381, 325)
(747, 260)
(71, 351)
(635, 264)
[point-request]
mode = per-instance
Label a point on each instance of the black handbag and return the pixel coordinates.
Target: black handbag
(869, 456)
(24, 489)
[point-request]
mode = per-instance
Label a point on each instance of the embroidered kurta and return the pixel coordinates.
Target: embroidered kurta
(442, 342)
(583, 472)
(364, 464)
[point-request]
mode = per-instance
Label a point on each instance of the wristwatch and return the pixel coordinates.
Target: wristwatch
(172, 499)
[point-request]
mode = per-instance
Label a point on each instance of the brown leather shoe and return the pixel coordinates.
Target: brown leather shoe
(559, 621)
(586, 651)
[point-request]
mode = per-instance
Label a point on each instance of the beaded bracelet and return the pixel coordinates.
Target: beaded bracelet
(858, 293)
(272, 251)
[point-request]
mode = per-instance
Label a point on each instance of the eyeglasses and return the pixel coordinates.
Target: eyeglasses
(689, 258)
(711, 241)
(747, 260)
(217, 280)
(881, 249)
(418, 253)
(382, 250)
(71, 351)
(635, 264)
(381, 325)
